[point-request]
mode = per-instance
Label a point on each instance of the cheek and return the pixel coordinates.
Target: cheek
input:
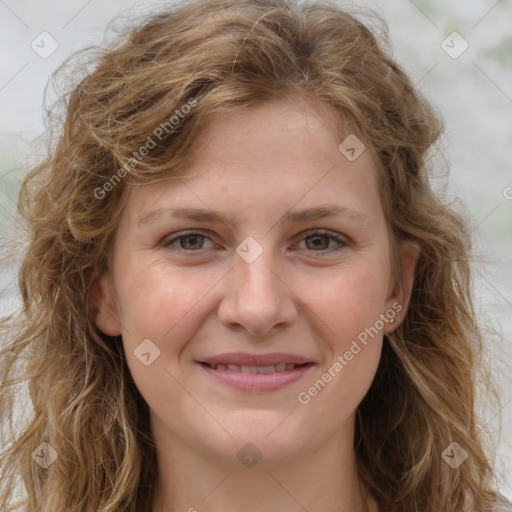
(350, 304)
(350, 299)
(165, 306)
(157, 298)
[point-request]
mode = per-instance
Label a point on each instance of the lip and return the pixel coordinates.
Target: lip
(244, 358)
(256, 382)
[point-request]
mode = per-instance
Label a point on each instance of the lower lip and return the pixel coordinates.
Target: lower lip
(257, 381)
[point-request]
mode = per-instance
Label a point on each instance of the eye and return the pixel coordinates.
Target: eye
(315, 240)
(318, 241)
(189, 242)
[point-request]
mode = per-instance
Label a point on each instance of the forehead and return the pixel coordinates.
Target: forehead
(295, 128)
(272, 155)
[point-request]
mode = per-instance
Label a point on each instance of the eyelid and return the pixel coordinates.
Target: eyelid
(166, 241)
(334, 236)
(322, 231)
(341, 240)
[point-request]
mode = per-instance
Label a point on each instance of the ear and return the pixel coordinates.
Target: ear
(400, 296)
(107, 319)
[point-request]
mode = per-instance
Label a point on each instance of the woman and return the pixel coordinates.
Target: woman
(194, 345)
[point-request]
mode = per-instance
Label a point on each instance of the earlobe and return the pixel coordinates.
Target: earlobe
(399, 299)
(105, 311)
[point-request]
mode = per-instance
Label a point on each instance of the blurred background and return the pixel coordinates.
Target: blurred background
(458, 53)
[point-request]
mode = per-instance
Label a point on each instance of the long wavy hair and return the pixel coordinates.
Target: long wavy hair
(217, 57)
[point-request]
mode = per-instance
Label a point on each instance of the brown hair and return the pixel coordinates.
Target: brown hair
(225, 55)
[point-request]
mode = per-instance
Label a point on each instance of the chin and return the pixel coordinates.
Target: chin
(269, 436)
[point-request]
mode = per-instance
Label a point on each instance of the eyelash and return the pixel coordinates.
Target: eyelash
(167, 244)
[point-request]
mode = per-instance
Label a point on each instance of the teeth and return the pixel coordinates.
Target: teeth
(266, 369)
(281, 367)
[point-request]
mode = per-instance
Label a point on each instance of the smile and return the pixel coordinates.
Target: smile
(252, 378)
(281, 367)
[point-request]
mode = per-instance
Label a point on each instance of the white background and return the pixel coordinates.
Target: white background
(473, 91)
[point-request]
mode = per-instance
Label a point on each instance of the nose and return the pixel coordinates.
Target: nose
(257, 298)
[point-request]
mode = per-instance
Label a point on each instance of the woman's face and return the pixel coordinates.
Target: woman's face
(274, 255)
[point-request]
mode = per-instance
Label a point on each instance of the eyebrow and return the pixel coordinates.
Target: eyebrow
(206, 215)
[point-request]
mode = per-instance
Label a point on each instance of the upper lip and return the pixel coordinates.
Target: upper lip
(245, 359)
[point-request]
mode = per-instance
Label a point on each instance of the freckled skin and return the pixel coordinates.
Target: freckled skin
(256, 165)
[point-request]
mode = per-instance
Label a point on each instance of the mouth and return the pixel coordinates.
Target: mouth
(256, 373)
(277, 368)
